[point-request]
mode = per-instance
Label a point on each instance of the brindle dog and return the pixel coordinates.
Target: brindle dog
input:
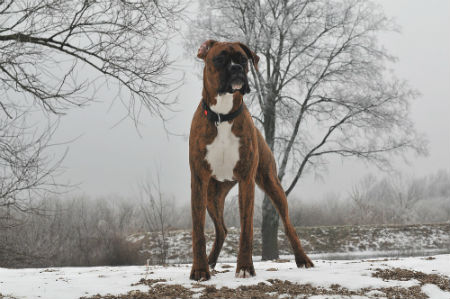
(222, 154)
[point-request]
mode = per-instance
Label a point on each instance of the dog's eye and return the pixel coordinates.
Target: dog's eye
(220, 60)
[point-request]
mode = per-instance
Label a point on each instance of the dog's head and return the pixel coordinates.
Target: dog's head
(226, 66)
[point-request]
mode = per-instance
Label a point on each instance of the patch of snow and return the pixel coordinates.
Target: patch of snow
(434, 292)
(135, 238)
(71, 283)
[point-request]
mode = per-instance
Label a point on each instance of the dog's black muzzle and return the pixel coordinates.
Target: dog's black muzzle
(238, 79)
(233, 79)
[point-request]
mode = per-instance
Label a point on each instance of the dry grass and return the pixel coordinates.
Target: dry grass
(273, 288)
(404, 275)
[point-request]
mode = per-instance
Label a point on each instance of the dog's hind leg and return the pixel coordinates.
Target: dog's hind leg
(217, 191)
(267, 180)
(272, 187)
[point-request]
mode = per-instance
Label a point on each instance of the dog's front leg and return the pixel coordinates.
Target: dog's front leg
(246, 199)
(200, 268)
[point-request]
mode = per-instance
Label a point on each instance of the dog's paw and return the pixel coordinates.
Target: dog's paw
(304, 261)
(200, 274)
(245, 272)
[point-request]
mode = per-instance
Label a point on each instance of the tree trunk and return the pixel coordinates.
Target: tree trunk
(269, 230)
(270, 218)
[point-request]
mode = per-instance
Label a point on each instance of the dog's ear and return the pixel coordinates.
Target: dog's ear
(204, 48)
(250, 54)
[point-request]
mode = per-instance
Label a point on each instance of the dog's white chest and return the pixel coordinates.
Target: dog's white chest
(223, 153)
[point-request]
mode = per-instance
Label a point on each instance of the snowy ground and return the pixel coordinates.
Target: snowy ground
(376, 278)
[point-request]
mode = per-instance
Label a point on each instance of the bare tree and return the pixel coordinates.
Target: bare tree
(371, 202)
(322, 87)
(55, 52)
(27, 170)
(406, 194)
(158, 211)
(55, 55)
(391, 200)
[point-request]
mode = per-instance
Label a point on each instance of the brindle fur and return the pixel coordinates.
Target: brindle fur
(256, 165)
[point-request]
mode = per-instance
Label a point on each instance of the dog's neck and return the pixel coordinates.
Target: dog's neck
(224, 103)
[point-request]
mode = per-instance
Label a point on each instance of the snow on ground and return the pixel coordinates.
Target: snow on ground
(354, 275)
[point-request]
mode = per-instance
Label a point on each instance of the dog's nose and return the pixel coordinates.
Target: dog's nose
(236, 68)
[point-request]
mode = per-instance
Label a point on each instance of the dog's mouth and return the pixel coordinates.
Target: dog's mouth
(236, 86)
(237, 83)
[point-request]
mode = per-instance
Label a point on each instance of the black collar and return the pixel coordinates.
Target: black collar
(218, 118)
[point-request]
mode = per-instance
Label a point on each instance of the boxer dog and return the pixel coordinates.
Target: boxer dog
(226, 149)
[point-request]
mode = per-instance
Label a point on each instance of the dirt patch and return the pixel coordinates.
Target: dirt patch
(226, 266)
(156, 291)
(148, 282)
(241, 292)
(48, 270)
(430, 258)
(277, 287)
(404, 274)
(281, 261)
(377, 260)
(214, 272)
(273, 288)
(413, 292)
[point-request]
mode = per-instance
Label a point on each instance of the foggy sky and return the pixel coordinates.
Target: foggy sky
(111, 159)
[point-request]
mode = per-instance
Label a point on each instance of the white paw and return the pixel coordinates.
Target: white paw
(243, 274)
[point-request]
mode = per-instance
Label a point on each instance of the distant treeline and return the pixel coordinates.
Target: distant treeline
(82, 231)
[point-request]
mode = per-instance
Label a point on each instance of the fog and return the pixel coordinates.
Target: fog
(110, 154)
